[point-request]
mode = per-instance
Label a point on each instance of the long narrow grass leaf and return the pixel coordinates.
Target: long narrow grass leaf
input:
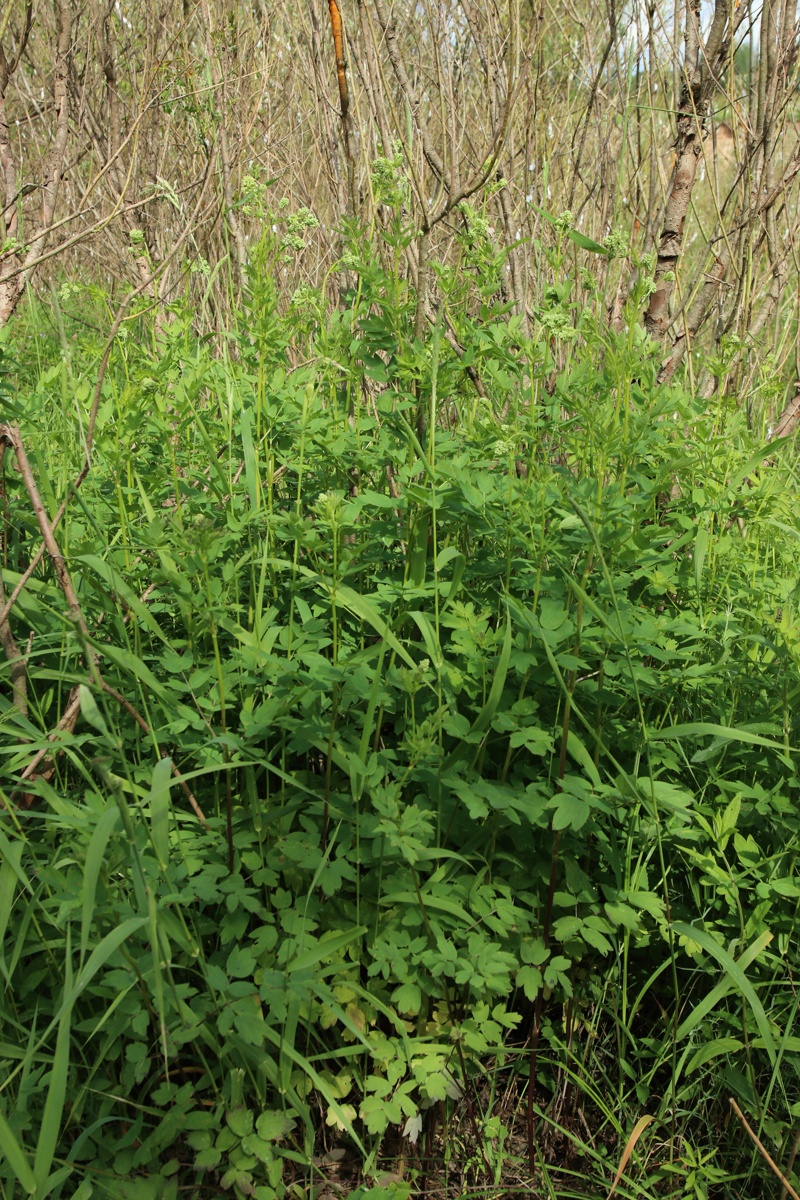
(695, 729)
(734, 972)
(16, 1158)
(630, 1146)
(365, 610)
(54, 1104)
(91, 871)
(158, 798)
(709, 1002)
(115, 582)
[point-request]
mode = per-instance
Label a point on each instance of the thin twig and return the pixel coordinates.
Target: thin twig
(768, 1159)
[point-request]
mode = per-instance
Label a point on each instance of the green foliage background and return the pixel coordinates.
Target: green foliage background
(487, 700)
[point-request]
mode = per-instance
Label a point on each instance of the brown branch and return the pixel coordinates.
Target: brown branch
(788, 420)
(11, 436)
(12, 282)
(97, 227)
(694, 320)
(508, 228)
(768, 1159)
(701, 69)
(584, 125)
(344, 100)
(231, 216)
(30, 774)
(16, 661)
(23, 41)
(432, 155)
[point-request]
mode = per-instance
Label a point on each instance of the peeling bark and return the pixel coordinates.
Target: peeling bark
(702, 64)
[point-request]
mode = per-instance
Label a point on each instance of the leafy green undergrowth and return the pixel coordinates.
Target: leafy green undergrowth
(485, 697)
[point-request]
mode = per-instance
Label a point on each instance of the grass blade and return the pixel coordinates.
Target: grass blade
(117, 584)
(16, 1157)
(324, 948)
(91, 873)
(709, 1002)
(706, 728)
(158, 798)
(484, 717)
(630, 1145)
(12, 858)
(318, 1082)
(734, 972)
(54, 1104)
(366, 611)
(100, 956)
